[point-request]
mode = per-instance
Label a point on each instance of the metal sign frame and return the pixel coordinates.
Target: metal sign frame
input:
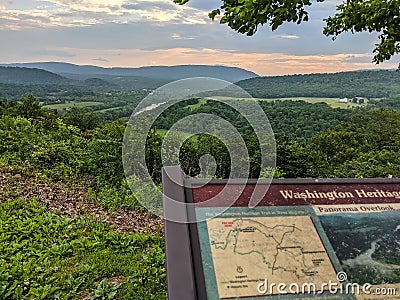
(185, 274)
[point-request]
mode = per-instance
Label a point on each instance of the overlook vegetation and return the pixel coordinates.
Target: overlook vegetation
(63, 191)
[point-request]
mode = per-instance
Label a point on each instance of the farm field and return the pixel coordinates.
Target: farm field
(197, 105)
(332, 102)
(61, 106)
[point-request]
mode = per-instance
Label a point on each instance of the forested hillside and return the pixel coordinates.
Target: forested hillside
(297, 120)
(370, 84)
(30, 76)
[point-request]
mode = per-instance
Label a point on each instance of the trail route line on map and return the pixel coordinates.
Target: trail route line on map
(246, 251)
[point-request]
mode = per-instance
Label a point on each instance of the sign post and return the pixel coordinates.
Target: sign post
(180, 278)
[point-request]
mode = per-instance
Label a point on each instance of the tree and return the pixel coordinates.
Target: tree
(381, 16)
(29, 107)
(82, 118)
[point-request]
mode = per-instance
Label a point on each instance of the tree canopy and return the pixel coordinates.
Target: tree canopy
(383, 16)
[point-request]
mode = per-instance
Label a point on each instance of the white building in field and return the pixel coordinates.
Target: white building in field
(344, 100)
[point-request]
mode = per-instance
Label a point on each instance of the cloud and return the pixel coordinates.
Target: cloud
(177, 36)
(78, 13)
(55, 53)
(207, 5)
(89, 5)
(15, 20)
(288, 37)
(100, 59)
(149, 5)
(352, 58)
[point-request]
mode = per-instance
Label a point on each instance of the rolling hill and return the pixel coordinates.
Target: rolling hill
(375, 84)
(18, 75)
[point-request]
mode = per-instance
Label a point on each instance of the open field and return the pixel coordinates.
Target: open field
(197, 105)
(66, 105)
(178, 134)
(109, 109)
(333, 102)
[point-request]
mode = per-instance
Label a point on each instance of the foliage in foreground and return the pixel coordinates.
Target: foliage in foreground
(44, 256)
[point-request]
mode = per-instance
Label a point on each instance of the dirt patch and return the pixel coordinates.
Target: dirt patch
(72, 201)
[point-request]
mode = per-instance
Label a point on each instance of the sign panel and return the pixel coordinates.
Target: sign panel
(328, 239)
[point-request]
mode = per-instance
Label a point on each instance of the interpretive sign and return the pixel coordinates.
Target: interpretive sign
(329, 239)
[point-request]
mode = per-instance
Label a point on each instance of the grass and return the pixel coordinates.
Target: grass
(179, 134)
(201, 102)
(45, 256)
(333, 102)
(109, 109)
(66, 105)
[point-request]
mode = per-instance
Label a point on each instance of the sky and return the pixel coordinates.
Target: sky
(135, 33)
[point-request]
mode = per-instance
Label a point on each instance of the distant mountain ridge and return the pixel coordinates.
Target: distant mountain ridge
(165, 73)
(18, 75)
(34, 76)
(362, 83)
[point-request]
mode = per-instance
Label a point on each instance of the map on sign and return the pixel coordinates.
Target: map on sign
(246, 251)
